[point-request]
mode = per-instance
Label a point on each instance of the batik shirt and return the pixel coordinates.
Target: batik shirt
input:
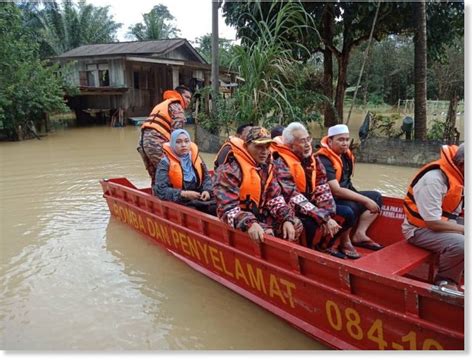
(320, 205)
(152, 141)
(273, 213)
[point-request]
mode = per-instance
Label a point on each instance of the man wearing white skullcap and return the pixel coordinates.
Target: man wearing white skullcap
(338, 130)
(365, 205)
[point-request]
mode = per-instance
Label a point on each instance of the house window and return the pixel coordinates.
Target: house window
(90, 78)
(95, 75)
(104, 78)
(136, 80)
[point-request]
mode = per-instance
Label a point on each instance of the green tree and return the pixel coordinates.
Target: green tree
(388, 72)
(448, 76)
(156, 25)
(65, 27)
(420, 70)
(275, 87)
(204, 46)
(345, 25)
(29, 87)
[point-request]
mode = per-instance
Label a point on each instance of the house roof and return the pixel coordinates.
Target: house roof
(155, 48)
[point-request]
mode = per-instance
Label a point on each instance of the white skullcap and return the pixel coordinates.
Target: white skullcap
(337, 130)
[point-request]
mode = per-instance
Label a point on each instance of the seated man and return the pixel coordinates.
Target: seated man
(182, 176)
(432, 206)
(248, 195)
(221, 156)
(365, 205)
(302, 177)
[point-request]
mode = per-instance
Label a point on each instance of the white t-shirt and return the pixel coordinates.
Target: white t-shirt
(429, 193)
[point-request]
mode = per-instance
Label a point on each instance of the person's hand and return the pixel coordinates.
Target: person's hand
(288, 231)
(372, 206)
(331, 228)
(190, 195)
(205, 196)
(269, 232)
(256, 232)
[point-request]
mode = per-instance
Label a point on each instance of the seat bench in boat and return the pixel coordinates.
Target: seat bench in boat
(397, 259)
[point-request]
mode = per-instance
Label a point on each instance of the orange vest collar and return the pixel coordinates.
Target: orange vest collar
(173, 95)
(335, 158)
(296, 169)
(251, 187)
(175, 172)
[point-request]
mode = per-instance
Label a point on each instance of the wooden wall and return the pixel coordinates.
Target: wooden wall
(153, 80)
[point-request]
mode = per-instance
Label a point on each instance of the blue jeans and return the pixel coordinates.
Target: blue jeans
(358, 208)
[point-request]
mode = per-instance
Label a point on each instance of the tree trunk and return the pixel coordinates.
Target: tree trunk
(343, 61)
(451, 134)
(215, 57)
(327, 34)
(420, 70)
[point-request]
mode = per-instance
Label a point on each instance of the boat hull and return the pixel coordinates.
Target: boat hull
(338, 302)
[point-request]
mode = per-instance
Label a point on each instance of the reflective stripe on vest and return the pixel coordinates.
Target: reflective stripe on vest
(175, 171)
(336, 160)
(296, 169)
(453, 197)
(160, 118)
(251, 187)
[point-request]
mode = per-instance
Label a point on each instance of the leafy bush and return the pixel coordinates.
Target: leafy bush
(385, 125)
(436, 131)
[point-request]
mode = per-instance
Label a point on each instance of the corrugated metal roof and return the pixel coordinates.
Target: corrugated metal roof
(159, 47)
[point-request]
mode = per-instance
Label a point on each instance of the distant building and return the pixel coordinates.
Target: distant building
(131, 76)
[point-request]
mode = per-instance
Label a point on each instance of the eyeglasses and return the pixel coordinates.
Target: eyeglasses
(305, 140)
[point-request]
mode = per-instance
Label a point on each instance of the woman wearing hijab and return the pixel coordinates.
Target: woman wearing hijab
(182, 176)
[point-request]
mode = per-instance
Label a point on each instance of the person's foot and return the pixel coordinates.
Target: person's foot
(349, 251)
(448, 284)
(330, 251)
(365, 242)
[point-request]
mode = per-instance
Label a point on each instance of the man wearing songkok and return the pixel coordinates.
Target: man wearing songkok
(248, 195)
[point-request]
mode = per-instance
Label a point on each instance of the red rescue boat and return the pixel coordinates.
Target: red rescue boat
(382, 301)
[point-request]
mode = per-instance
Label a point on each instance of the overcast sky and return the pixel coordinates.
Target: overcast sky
(192, 17)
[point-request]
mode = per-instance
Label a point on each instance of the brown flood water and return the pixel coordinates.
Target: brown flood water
(72, 278)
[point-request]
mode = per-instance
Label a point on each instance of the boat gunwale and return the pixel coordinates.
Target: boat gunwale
(417, 288)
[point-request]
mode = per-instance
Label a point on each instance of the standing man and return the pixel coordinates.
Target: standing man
(248, 195)
(156, 130)
(339, 163)
(432, 206)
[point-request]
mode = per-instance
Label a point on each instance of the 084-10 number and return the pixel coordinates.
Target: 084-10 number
(351, 320)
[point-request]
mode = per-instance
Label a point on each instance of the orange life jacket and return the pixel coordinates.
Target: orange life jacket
(296, 169)
(160, 118)
(453, 197)
(226, 149)
(175, 172)
(335, 159)
(251, 187)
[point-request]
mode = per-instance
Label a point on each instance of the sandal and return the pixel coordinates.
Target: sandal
(448, 284)
(350, 253)
(368, 244)
(330, 251)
